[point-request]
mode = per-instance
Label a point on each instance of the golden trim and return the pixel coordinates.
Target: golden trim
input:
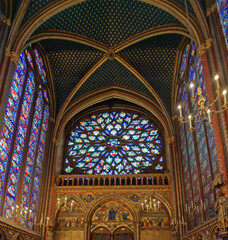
(57, 34)
(109, 93)
(56, 141)
(111, 54)
(209, 43)
(160, 30)
(55, 7)
(12, 55)
(52, 119)
(211, 9)
(6, 20)
(204, 47)
(170, 140)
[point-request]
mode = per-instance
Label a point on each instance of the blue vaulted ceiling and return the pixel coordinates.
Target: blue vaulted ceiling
(110, 22)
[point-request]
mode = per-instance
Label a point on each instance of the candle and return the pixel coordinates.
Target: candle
(47, 220)
(142, 207)
(190, 121)
(224, 96)
(147, 206)
(155, 207)
(180, 112)
(192, 89)
(158, 204)
(217, 80)
(186, 207)
(209, 115)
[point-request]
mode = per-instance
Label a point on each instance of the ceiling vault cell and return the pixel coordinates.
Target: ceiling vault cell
(54, 8)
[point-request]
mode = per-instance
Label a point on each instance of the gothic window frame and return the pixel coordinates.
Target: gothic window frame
(222, 9)
(37, 127)
(190, 169)
(74, 122)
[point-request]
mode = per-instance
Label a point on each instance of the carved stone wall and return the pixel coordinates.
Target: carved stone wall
(80, 210)
(12, 231)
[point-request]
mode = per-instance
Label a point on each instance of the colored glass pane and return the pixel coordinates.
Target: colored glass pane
(202, 144)
(29, 57)
(114, 143)
(223, 12)
(10, 117)
(19, 146)
(31, 155)
(40, 65)
(184, 61)
(38, 168)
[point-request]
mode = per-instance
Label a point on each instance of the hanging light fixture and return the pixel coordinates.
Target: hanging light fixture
(203, 110)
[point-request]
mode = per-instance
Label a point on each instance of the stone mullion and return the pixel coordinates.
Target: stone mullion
(34, 166)
(209, 161)
(13, 141)
(190, 174)
(198, 168)
(181, 167)
(26, 147)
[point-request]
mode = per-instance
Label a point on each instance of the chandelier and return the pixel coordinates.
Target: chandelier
(65, 207)
(151, 205)
(203, 110)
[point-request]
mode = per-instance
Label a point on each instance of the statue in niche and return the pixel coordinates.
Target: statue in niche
(221, 206)
(112, 214)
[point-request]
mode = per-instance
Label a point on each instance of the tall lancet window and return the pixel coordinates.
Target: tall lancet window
(223, 12)
(198, 152)
(22, 142)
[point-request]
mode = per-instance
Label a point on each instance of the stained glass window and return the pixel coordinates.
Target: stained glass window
(115, 142)
(223, 12)
(23, 137)
(198, 148)
(10, 118)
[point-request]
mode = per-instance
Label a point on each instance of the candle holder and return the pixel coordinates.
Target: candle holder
(65, 207)
(151, 205)
(22, 212)
(203, 111)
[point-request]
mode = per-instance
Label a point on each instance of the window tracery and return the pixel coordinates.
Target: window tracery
(23, 136)
(223, 13)
(198, 152)
(116, 142)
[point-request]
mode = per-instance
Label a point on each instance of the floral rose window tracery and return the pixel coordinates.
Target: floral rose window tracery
(114, 142)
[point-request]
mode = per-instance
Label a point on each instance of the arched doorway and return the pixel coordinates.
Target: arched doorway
(101, 233)
(123, 233)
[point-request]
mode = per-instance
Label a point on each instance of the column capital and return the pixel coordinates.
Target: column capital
(12, 55)
(6, 20)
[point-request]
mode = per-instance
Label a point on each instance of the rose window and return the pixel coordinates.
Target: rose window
(114, 143)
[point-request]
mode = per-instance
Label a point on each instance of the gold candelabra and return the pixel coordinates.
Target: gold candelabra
(66, 208)
(203, 111)
(151, 205)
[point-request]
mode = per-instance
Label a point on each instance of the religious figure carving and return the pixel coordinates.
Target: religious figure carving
(218, 181)
(221, 205)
